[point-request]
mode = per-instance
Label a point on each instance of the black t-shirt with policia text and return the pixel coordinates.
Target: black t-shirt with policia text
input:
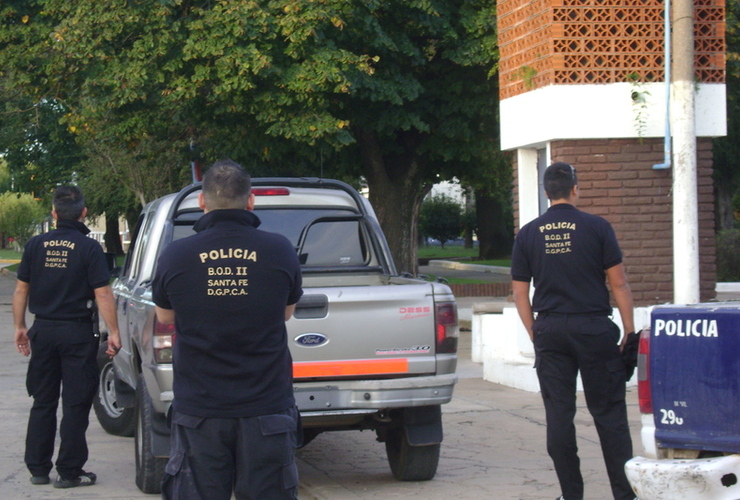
(63, 268)
(229, 285)
(566, 252)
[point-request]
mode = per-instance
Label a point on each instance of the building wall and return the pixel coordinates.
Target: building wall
(617, 182)
(580, 82)
(566, 42)
(598, 111)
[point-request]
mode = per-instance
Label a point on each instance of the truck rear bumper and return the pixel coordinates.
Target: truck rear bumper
(356, 395)
(647, 435)
(699, 479)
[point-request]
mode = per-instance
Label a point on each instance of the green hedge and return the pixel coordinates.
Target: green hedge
(728, 255)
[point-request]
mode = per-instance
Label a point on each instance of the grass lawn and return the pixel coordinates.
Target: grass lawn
(6, 254)
(457, 281)
(458, 253)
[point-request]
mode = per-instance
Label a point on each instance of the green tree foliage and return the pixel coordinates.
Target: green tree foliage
(428, 111)
(726, 159)
(20, 214)
(728, 255)
(492, 187)
(40, 152)
(401, 92)
(5, 183)
(441, 218)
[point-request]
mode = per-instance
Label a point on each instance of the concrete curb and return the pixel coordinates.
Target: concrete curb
(463, 266)
(724, 287)
(727, 287)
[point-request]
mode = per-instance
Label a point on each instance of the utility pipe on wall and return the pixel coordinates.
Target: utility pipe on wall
(667, 71)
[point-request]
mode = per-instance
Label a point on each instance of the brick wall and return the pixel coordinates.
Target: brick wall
(546, 42)
(617, 182)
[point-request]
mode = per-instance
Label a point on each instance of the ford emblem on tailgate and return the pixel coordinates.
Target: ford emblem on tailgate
(311, 340)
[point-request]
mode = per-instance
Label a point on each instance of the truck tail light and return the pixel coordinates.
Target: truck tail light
(275, 191)
(643, 373)
(445, 319)
(163, 340)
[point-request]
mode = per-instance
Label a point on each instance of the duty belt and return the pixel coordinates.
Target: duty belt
(544, 314)
(79, 320)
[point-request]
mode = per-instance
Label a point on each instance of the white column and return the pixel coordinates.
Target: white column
(685, 196)
(528, 185)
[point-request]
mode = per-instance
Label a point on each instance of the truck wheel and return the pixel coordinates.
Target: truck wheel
(113, 419)
(410, 463)
(149, 468)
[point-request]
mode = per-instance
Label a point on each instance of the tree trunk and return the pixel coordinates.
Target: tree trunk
(132, 218)
(723, 193)
(397, 189)
(494, 238)
(112, 236)
(469, 205)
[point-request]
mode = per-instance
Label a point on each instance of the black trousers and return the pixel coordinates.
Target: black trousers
(253, 457)
(63, 360)
(565, 345)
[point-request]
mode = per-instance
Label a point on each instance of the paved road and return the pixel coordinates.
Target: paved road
(493, 447)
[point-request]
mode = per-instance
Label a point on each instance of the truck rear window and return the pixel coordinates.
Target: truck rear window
(323, 237)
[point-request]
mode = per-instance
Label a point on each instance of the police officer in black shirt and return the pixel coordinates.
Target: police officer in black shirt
(569, 255)
(59, 276)
(229, 289)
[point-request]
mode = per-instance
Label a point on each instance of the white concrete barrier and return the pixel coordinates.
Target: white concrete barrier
(501, 343)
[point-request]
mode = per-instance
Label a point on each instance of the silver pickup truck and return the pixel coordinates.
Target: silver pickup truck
(371, 349)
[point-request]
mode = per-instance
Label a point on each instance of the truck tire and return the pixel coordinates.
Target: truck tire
(149, 468)
(113, 419)
(410, 463)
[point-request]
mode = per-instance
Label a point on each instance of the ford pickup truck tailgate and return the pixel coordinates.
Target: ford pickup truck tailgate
(695, 376)
(363, 331)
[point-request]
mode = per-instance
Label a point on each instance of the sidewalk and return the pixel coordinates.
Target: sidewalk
(494, 445)
(464, 270)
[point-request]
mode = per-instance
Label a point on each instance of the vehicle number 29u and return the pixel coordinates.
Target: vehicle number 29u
(669, 417)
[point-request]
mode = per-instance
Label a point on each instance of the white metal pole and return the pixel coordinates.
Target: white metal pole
(685, 196)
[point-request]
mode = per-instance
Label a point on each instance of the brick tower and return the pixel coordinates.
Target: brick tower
(582, 81)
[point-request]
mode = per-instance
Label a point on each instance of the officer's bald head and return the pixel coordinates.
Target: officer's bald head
(226, 185)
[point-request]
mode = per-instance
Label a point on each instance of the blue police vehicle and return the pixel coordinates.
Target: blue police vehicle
(689, 393)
